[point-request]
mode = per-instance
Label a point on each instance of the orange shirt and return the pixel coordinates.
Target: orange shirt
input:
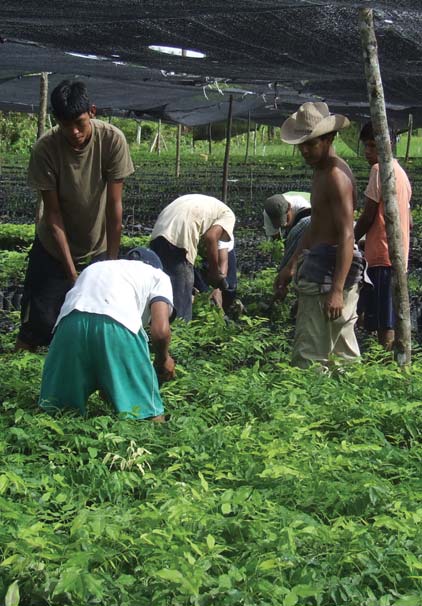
(376, 247)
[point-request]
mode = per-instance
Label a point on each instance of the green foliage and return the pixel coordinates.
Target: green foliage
(17, 132)
(269, 485)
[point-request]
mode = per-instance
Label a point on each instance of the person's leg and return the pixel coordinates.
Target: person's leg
(124, 371)
(313, 340)
(45, 288)
(344, 340)
(181, 274)
(379, 311)
(229, 295)
(68, 376)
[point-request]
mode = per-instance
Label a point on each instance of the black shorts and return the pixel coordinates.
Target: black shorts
(377, 302)
(44, 291)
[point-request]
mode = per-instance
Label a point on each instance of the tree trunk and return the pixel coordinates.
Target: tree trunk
(42, 114)
(227, 153)
(42, 118)
(402, 345)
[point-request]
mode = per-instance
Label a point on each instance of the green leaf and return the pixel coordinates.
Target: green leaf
(12, 596)
(204, 483)
(210, 542)
(169, 574)
(226, 508)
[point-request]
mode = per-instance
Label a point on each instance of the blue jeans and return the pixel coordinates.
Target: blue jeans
(180, 272)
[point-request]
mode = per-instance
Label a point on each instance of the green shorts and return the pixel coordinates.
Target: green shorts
(93, 351)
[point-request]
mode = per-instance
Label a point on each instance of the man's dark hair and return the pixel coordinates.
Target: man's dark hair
(332, 134)
(69, 100)
(367, 133)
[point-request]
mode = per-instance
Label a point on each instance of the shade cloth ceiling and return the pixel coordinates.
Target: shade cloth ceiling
(270, 55)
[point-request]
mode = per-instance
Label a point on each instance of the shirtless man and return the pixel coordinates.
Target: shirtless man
(327, 269)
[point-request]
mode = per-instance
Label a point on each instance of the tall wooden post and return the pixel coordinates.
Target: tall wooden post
(159, 138)
(255, 134)
(227, 153)
(402, 345)
(209, 139)
(42, 113)
(178, 137)
(139, 133)
(42, 118)
(248, 137)
(409, 137)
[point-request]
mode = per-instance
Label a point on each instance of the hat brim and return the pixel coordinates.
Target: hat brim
(291, 134)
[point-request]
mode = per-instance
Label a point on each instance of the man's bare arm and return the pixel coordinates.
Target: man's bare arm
(114, 211)
(210, 239)
(285, 276)
(160, 339)
(340, 194)
(54, 221)
(366, 219)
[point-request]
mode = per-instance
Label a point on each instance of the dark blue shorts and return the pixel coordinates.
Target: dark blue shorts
(180, 272)
(377, 302)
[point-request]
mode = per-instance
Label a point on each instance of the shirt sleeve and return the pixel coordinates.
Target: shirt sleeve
(161, 290)
(120, 163)
(42, 173)
(226, 220)
(373, 189)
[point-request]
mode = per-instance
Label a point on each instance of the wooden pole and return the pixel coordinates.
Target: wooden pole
(248, 137)
(159, 138)
(42, 114)
(42, 118)
(227, 152)
(178, 137)
(409, 137)
(139, 133)
(402, 344)
(255, 134)
(209, 139)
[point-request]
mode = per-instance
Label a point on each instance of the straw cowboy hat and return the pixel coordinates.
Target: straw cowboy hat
(310, 121)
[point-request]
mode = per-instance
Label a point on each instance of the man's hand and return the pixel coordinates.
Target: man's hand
(334, 304)
(165, 370)
(281, 283)
(216, 279)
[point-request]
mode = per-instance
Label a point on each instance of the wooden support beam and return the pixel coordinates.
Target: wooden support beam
(402, 345)
(248, 137)
(178, 138)
(227, 152)
(409, 137)
(42, 113)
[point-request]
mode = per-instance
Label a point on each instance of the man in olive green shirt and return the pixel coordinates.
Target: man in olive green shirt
(79, 167)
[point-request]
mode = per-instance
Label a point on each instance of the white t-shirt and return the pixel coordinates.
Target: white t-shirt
(186, 219)
(122, 290)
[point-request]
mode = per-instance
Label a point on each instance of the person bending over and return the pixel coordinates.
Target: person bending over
(175, 238)
(100, 342)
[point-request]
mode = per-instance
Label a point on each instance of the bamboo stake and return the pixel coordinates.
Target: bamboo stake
(254, 139)
(209, 139)
(178, 137)
(227, 152)
(159, 138)
(139, 133)
(248, 137)
(409, 136)
(402, 344)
